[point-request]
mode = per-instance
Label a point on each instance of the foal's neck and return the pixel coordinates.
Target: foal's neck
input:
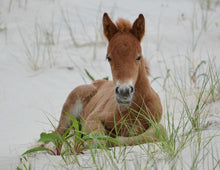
(142, 86)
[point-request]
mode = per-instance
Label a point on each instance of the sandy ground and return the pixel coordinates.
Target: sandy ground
(28, 97)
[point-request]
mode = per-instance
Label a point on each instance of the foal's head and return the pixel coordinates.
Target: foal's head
(124, 54)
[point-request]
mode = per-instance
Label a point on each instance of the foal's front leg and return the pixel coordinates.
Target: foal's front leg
(94, 126)
(74, 105)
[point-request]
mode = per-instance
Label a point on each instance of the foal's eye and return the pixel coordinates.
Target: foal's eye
(109, 58)
(139, 58)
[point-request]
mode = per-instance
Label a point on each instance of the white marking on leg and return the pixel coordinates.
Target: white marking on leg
(77, 109)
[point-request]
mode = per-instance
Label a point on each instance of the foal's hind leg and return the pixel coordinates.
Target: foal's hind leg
(74, 105)
(153, 134)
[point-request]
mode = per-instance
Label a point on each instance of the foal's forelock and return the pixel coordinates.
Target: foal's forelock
(123, 25)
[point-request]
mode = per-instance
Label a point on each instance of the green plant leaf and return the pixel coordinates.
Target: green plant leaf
(75, 123)
(48, 137)
(36, 150)
(106, 78)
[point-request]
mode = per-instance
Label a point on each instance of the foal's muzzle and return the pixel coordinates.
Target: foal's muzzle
(124, 94)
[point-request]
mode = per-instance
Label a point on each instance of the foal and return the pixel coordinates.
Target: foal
(125, 107)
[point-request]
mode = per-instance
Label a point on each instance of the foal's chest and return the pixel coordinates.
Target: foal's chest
(125, 124)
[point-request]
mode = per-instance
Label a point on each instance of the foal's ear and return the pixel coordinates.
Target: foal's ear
(138, 27)
(109, 28)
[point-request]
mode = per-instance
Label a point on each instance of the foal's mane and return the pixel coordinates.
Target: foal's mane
(123, 25)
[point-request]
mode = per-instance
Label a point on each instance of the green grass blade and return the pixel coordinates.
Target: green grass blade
(89, 75)
(36, 149)
(100, 137)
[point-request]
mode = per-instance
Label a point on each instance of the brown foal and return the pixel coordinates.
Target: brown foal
(126, 107)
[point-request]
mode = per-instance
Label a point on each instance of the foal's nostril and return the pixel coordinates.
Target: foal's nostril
(117, 90)
(131, 89)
